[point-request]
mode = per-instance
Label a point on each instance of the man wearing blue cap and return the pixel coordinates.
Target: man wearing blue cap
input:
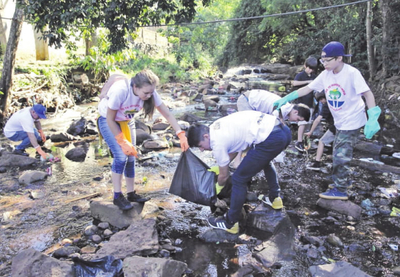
(344, 87)
(21, 127)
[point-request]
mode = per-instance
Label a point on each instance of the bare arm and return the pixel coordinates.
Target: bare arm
(169, 116)
(114, 126)
(369, 99)
(314, 125)
(32, 139)
(38, 125)
(223, 175)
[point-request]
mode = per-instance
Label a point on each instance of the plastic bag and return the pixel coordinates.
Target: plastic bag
(193, 181)
(105, 267)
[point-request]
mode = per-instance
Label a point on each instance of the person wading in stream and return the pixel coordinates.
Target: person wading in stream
(121, 99)
(263, 101)
(21, 127)
(344, 87)
(264, 135)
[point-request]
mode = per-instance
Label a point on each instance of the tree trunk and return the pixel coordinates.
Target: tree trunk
(9, 58)
(370, 48)
(384, 5)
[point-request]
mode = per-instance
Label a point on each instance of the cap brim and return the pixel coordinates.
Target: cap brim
(42, 116)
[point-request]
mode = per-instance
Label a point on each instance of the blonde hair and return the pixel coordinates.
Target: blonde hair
(146, 77)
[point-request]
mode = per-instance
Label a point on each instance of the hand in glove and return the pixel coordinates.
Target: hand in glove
(42, 135)
(218, 188)
(44, 155)
(126, 146)
(372, 125)
(183, 140)
(291, 96)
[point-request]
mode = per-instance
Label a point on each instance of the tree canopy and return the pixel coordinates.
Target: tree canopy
(61, 19)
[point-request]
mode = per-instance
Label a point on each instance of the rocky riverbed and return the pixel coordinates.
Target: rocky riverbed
(51, 215)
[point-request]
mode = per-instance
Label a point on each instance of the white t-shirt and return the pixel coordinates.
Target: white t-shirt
(20, 121)
(262, 100)
(343, 94)
(238, 131)
(121, 97)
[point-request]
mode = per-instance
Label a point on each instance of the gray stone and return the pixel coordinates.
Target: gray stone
(32, 263)
(29, 177)
(343, 207)
(339, 269)
(140, 239)
(107, 211)
(11, 160)
(139, 266)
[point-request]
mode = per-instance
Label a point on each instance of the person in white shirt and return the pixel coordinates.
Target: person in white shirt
(25, 126)
(264, 135)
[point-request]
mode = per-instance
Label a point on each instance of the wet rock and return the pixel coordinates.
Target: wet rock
(3, 169)
(77, 127)
(103, 225)
(343, 207)
(36, 194)
(191, 118)
(139, 266)
(35, 264)
(62, 137)
(334, 240)
(107, 233)
(65, 251)
(107, 211)
(11, 160)
(91, 128)
(160, 126)
(140, 239)
(339, 269)
(77, 154)
(155, 144)
(142, 136)
(88, 249)
(96, 239)
(91, 230)
(216, 235)
(29, 177)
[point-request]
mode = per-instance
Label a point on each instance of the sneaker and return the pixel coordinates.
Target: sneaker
(316, 166)
(276, 205)
(20, 152)
(299, 146)
(221, 223)
(333, 194)
(133, 197)
(122, 203)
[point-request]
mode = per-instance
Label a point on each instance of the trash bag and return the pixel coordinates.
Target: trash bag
(105, 267)
(193, 181)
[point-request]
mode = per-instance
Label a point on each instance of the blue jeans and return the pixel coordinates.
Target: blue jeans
(121, 163)
(22, 135)
(258, 158)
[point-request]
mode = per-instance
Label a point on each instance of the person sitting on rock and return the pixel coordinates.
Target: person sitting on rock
(121, 99)
(25, 126)
(262, 101)
(264, 135)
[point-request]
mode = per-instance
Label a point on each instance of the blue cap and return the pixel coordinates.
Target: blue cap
(40, 110)
(334, 49)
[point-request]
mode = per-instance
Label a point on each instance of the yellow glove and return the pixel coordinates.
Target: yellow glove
(44, 155)
(42, 135)
(183, 140)
(126, 146)
(215, 169)
(218, 188)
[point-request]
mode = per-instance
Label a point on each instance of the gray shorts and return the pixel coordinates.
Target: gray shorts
(327, 138)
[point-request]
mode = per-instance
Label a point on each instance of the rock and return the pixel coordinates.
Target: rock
(11, 160)
(62, 137)
(107, 211)
(77, 154)
(139, 266)
(339, 269)
(154, 144)
(343, 207)
(29, 177)
(77, 127)
(65, 251)
(140, 239)
(32, 263)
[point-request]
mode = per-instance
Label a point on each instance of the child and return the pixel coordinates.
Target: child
(344, 87)
(301, 79)
(121, 100)
(264, 135)
(263, 100)
(329, 135)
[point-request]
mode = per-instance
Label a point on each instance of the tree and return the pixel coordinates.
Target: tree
(63, 20)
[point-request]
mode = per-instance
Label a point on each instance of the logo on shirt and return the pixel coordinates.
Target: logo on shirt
(130, 113)
(335, 96)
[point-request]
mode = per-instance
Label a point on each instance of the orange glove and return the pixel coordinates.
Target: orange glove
(183, 140)
(44, 155)
(42, 135)
(126, 146)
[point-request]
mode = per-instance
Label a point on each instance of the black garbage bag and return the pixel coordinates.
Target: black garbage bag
(193, 181)
(105, 267)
